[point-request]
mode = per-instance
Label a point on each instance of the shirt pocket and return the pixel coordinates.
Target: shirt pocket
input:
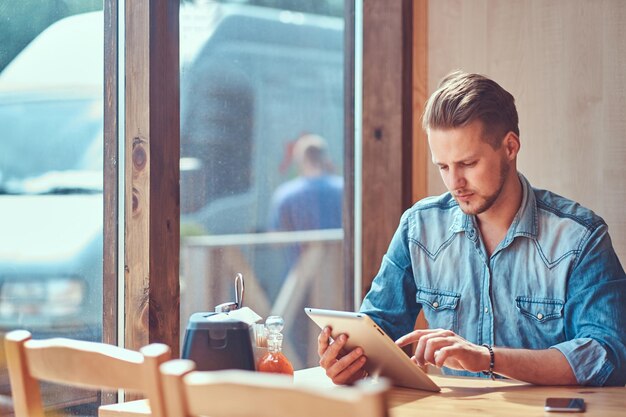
(541, 317)
(440, 307)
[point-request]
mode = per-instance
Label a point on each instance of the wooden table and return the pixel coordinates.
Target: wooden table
(458, 397)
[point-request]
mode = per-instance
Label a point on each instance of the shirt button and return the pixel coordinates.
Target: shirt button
(486, 310)
(435, 304)
(539, 316)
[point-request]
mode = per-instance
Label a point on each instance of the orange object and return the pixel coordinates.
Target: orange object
(275, 362)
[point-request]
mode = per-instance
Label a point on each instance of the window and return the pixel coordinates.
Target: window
(261, 92)
(51, 112)
(255, 77)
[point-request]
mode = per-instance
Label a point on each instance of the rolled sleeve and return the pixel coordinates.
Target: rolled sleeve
(588, 359)
(595, 314)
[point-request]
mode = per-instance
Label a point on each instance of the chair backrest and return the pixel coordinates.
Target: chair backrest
(81, 364)
(235, 393)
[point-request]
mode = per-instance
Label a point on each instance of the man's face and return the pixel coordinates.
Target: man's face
(471, 169)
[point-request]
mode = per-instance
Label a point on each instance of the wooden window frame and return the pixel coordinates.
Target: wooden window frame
(152, 150)
(394, 145)
(151, 172)
(394, 153)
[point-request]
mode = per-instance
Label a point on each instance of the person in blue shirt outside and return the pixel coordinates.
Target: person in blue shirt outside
(514, 281)
(313, 200)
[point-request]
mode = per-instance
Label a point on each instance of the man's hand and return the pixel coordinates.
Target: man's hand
(342, 368)
(445, 348)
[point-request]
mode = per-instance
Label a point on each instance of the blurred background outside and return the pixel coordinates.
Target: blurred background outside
(255, 77)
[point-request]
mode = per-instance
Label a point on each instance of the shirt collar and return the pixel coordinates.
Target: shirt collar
(524, 223)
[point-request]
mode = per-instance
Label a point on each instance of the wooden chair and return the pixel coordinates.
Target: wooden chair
(81, 364)
(235, 393)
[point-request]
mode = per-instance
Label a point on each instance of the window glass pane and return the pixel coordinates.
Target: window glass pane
(51, 176)
(262, 107)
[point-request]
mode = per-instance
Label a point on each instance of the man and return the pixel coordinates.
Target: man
(313, 199)
(513, 280)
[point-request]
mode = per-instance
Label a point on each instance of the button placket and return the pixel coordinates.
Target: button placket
(487, 318)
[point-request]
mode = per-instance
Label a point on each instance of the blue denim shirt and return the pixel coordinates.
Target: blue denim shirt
(553, 282)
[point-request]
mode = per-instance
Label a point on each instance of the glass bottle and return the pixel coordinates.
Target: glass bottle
(274, 360)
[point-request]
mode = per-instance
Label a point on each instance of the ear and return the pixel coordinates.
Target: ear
(511, 145)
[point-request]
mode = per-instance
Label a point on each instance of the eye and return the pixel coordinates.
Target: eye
(470, 164)
(443, 167)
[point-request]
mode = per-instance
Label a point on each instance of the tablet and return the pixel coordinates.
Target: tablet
(384, 357)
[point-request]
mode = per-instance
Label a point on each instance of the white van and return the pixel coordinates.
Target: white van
(263, 78)
(51, 183)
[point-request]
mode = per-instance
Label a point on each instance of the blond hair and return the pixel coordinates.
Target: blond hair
(461, 98)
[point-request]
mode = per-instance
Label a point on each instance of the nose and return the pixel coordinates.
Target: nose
(456, 179)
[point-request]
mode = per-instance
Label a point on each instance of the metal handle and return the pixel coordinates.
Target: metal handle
(239, 289)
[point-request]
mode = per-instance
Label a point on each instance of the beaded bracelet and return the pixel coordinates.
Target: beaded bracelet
(492, 360)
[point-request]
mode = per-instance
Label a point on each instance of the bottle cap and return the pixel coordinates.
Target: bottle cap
(274, 325)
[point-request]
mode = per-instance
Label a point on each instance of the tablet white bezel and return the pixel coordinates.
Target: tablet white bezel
(384, 357)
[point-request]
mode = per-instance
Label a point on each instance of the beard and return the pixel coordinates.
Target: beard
(486, 202)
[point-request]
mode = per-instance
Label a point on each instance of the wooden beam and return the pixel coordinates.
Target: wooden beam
(152, 148)
(387, 126)
(420, 95)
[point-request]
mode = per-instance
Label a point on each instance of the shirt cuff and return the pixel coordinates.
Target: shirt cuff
(588, 359)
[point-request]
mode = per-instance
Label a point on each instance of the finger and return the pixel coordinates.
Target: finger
(434, 344)
(453, 357)
(420, 348)
(323, 341)
(443, 354)
(351, 373)
(422, 342)
(329, 357)
(409, 338)
(414, 336)
(359, 371)
(344, 363)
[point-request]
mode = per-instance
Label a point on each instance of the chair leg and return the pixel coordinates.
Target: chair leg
(24, 389)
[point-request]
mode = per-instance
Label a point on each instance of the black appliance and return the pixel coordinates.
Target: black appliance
(216, 341)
